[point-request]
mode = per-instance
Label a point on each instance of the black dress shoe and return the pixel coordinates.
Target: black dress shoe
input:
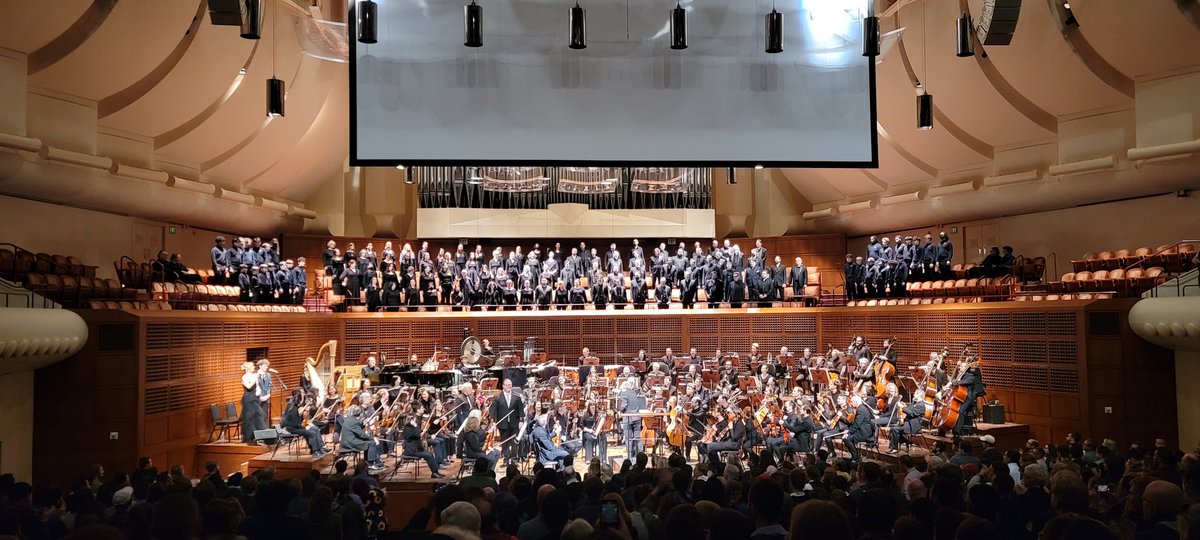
(437, 475)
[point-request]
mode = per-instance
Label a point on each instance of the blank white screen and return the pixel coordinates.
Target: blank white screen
(421, 95)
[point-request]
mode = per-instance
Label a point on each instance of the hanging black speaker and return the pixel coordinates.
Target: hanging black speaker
(252, 18)
(965, 47)
(578, 28)
(368, 21)
(925, 111)
(774, 32)
(275, 97)
(678, 28)
(871, 36)
(473, 20)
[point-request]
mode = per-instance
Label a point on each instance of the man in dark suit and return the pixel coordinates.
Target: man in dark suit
(972, 379)
(764, 289)
(850, 272)
(861, 430)
(508, 410)
(631, 401)
(220, 262)
(798, 279)
(778, 277)
(913, 414)
(802, 428)
(354, 437)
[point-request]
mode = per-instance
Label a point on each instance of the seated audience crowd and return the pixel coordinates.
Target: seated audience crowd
(1078, 490)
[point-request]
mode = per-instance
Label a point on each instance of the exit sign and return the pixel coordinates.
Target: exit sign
(953, 230)
(171, 229)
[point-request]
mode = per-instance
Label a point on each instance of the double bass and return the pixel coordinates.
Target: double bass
(953, 400)
(884, 373)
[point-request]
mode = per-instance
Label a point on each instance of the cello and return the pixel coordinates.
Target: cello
(676, 432)
(952, 402)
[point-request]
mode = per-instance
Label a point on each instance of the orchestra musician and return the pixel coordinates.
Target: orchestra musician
(595, 443)
(507, 411)
(293, 424)
(801, 425)
(737, 435)
(558, 423)
(372, 366)
(972, 379)
(414, 444)
(911, 425)
(354, 437)
(728, 374)
(835, 415)
(472, 442)
(546, 449)
(889, 414)
(861, 428)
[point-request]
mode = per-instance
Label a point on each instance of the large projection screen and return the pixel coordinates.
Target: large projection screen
(420, 97)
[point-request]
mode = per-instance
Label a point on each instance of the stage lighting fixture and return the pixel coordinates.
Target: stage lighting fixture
(473, 20)
(965, 47)
(275, 97)
(578, 28)
(678, 28)
(758, 167)
(400, 167)
(871, 36)
(252, 18)
(368, 21)
(1070, 16)
(731, 176)
(774, 32)
(925, 111)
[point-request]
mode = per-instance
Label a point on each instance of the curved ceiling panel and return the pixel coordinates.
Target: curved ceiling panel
(897, 106)
(203, 74)
(854, 183)
(245, 111)
(122, 50)
(29, 26)
(317, 156)
(1150, 37)
(961, 90)
(896, 168)
(1058, 81)
(812, 185)
(306, 92)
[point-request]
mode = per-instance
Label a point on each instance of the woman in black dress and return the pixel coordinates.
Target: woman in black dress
(350, 282)
(252, 414)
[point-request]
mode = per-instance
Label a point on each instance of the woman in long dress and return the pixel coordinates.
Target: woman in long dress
(252, 412)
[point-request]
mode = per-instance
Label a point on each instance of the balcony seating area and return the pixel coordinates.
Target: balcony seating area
(64, 279)
(1171, 258)
(1119, 281)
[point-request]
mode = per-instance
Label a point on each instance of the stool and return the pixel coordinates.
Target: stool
(402, 460)
(345, 453)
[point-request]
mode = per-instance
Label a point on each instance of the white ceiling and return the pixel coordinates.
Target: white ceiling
(1128, 76)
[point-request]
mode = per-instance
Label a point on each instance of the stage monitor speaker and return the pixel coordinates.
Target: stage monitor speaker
(998, 21)
(993, 413)
(266, 436)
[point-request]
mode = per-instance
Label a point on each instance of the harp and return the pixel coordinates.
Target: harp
(320, 370)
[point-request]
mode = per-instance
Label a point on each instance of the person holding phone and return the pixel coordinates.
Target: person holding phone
(614, 517)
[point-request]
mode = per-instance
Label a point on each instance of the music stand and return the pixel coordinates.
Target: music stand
(510, 360)
(709, 378)
(445, 364)
(655, 380)
(787, 360)
(710, 363)
(681, 362)
(746, 382)
(488, 384)
(819, 377)
(591, 361)
(639, 366)
(907, 383)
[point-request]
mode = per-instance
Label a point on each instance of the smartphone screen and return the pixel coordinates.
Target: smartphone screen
(608, 512)
(1102, 488)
